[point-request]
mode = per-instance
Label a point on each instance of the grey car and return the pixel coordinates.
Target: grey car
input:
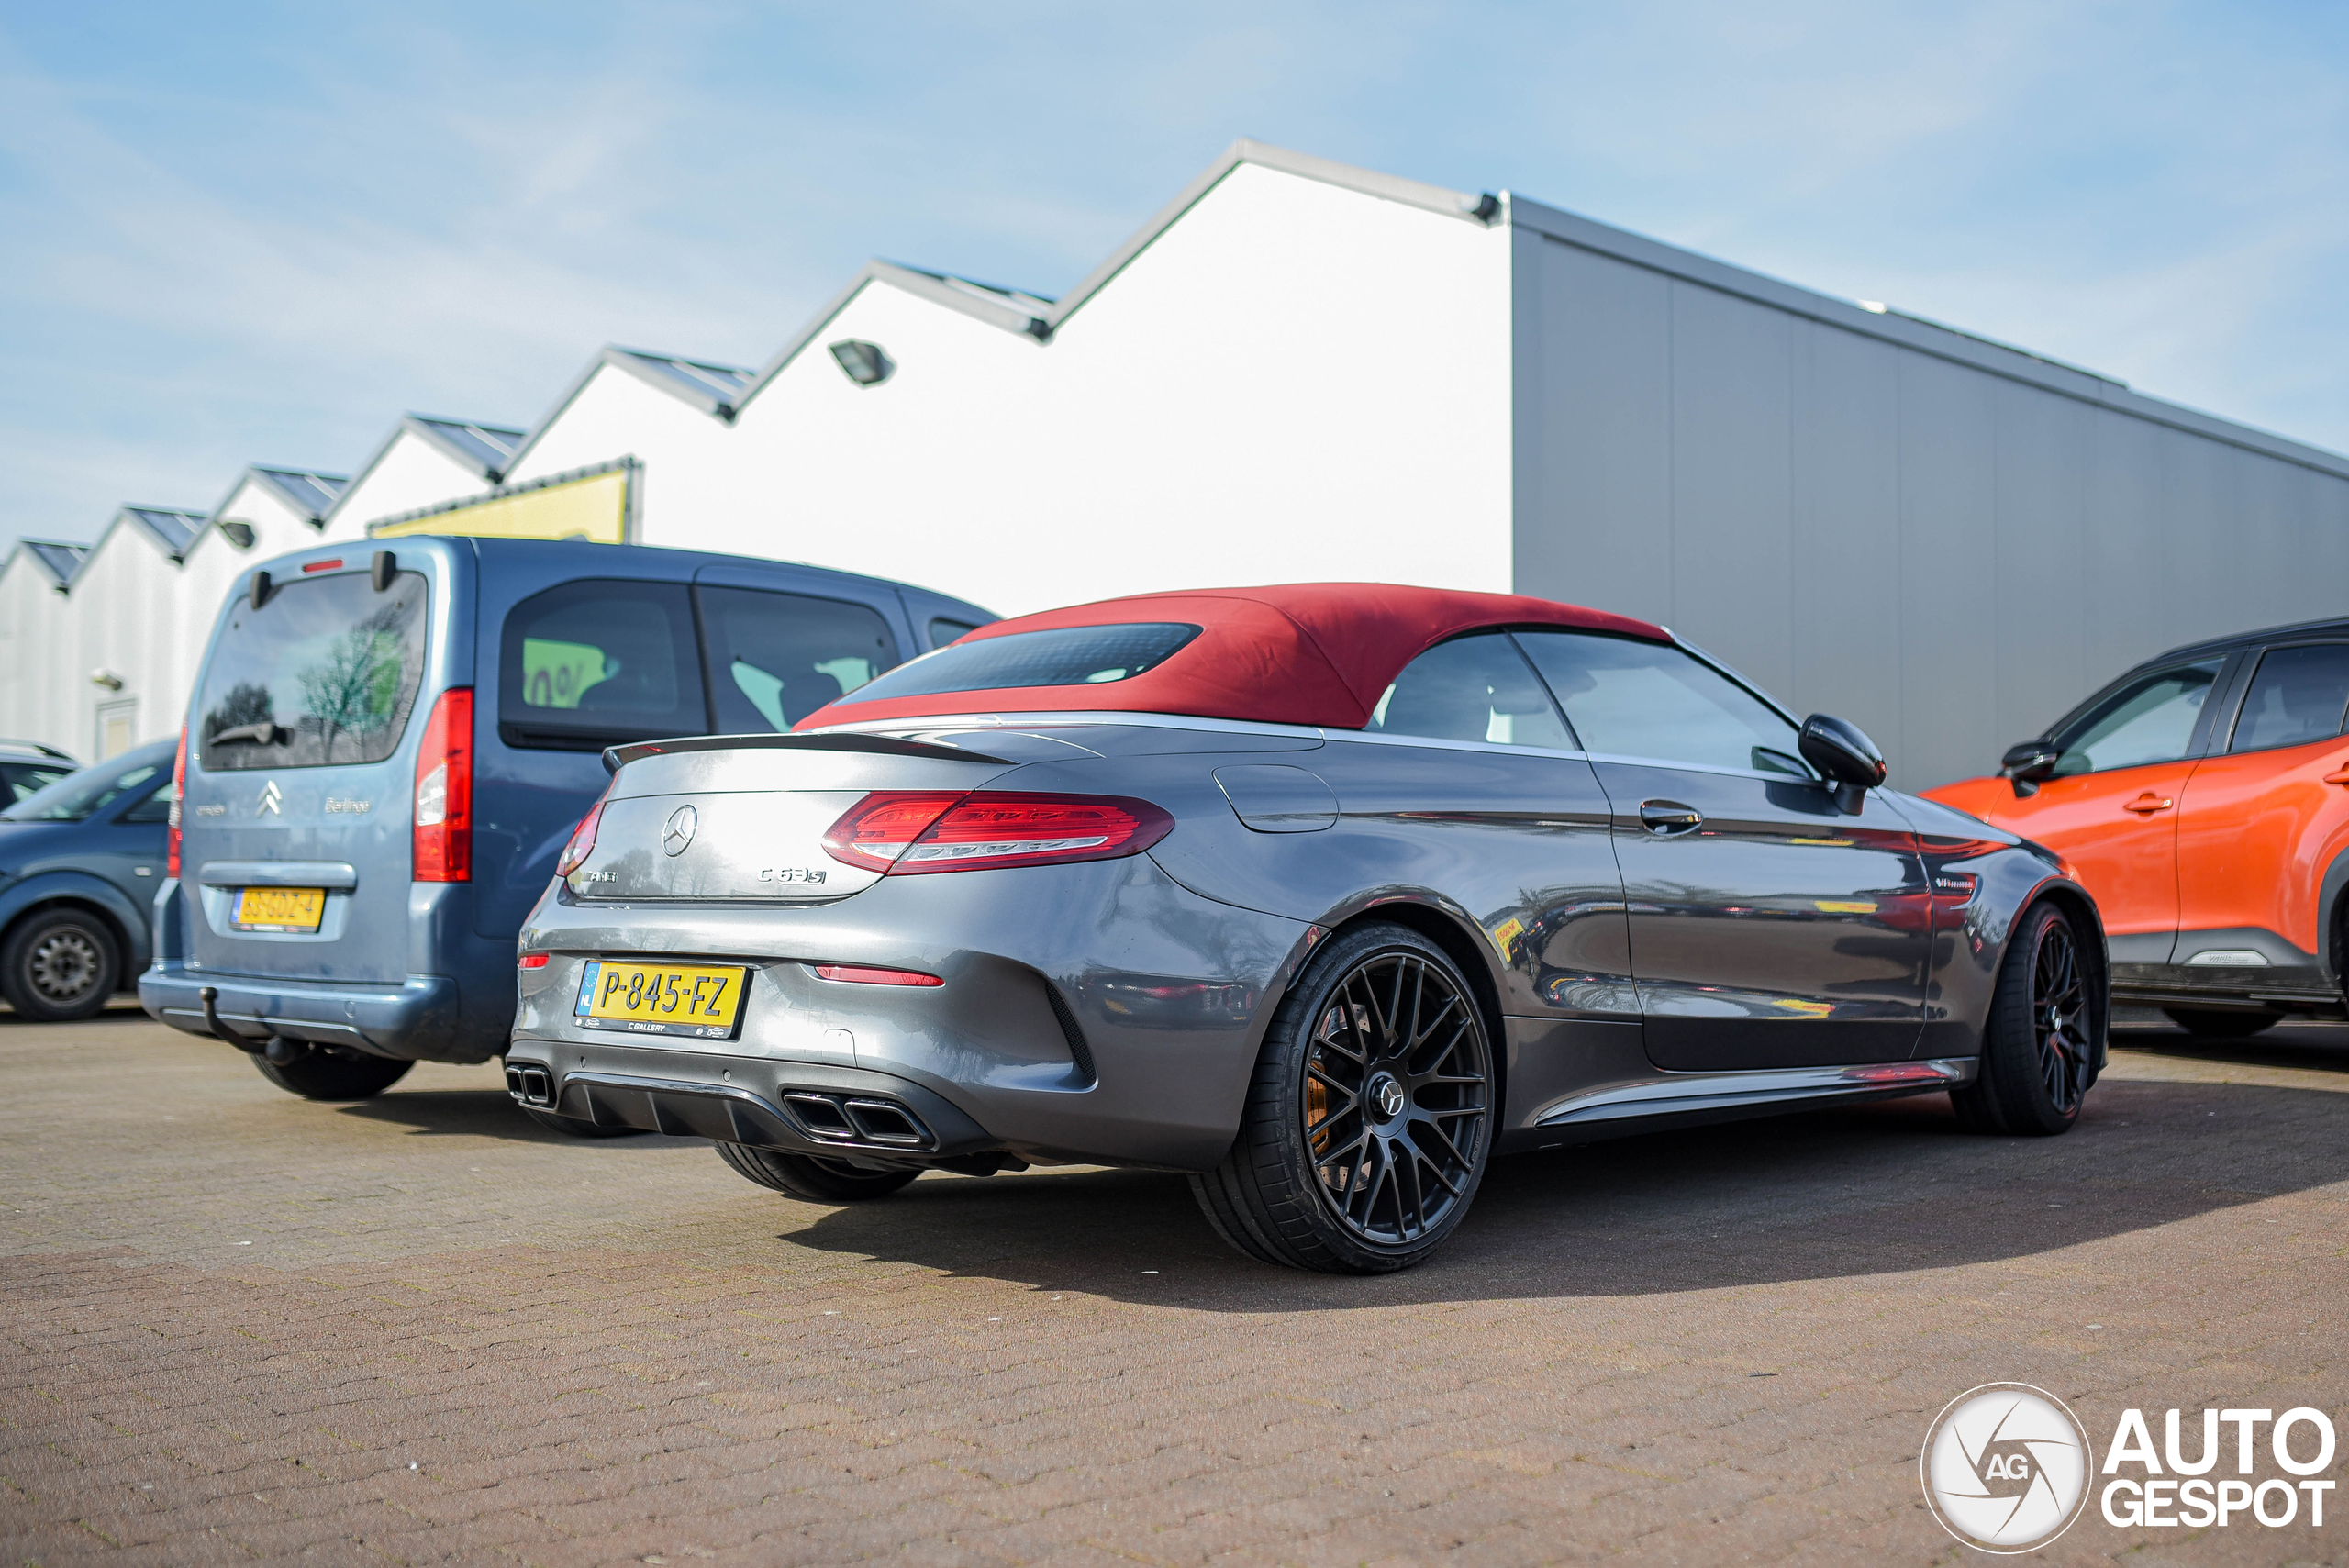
(1323, 894)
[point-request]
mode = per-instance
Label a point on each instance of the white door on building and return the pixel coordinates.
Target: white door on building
(118, 727)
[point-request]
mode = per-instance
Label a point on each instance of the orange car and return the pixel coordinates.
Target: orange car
(2203, 798)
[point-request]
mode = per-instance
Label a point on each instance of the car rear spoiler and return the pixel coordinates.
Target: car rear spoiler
(886, 746)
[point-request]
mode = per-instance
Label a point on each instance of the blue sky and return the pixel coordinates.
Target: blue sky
(246, 232)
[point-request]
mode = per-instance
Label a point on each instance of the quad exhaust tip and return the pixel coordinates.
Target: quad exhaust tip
(840, 1119)
(531, 1086)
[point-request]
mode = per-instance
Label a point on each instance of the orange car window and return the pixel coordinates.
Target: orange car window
(2298, 696)
(2149, 719)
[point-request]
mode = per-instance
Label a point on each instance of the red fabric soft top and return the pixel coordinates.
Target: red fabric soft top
(1318, 653)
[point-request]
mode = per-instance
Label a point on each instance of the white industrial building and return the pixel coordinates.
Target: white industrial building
(1299, 370)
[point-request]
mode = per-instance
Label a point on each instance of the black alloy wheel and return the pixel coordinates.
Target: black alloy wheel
(811, 1176)
(58, 964)
(2039, 1051)
(1370, 1115)
(2212, 1025)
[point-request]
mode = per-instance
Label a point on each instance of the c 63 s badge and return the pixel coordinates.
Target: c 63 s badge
(792, 873)
(2006, 1467)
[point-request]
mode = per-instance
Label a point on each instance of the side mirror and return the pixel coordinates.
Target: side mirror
(1843, 755)
(2030, 764)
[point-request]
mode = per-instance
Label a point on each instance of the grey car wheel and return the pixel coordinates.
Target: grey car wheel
(60, 964)
(811, 1176)
(2039, 1051)
(1370, 1115)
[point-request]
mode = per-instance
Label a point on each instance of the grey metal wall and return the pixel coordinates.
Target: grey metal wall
(1946, 541)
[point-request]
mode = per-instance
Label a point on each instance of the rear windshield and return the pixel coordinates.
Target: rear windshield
(324, 672)
(1067, 656)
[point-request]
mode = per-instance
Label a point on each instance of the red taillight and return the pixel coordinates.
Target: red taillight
(534, 961)
(442, 838)
(906, 832)
(179, 792)
(864, 974)
(884, 825)
(583, 843)
(322, 566)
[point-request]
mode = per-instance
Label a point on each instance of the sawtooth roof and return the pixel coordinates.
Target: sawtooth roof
(59, 558)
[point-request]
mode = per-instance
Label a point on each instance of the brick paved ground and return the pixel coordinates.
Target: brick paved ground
(242, 1327)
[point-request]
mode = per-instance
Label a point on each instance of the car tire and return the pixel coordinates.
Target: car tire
(2039, 1048)
(60, 964)
(2221, 1026)
(1376, 1074)
(577, 1126)
(320, 1075)
(812, 1177)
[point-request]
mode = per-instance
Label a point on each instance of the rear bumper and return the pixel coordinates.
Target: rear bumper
(1097, 1012)
(798, 1107)
(416, 1020)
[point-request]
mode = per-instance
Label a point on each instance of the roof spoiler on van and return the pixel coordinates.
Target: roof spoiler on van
(615, 757)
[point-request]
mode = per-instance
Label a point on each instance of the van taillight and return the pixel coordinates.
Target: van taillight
(442, 838)
(905, 832)
(179, 793)
(583, 843)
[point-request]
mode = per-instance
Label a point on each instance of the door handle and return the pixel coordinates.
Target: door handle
(2339, 776)
(1665, 817)
(2148, 803)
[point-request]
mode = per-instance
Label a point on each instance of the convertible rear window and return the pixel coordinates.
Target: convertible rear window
(325, 670)
(1065, 656)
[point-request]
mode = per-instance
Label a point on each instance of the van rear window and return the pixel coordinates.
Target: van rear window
(325, 671)
(597, 662)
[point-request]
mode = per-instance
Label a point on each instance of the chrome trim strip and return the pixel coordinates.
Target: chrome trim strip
(1666, 1095)
(1146, 720)
(331, 875)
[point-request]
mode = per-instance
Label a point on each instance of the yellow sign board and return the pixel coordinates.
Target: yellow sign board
(593, 508)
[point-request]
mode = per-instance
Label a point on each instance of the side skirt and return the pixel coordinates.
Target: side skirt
(1686, 1098)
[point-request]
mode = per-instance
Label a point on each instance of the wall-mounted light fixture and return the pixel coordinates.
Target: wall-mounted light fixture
(863, 363)
(237, 532)
(105, 678)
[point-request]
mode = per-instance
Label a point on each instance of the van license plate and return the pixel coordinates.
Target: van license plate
(660, 998)
(280, 909)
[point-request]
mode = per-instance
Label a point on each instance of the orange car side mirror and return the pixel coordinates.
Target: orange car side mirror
(2028, 765)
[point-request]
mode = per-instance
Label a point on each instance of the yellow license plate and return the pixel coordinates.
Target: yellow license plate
(660, 998)
(281, 908)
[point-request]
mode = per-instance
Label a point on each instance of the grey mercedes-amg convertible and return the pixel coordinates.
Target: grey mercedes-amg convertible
(1323, 894)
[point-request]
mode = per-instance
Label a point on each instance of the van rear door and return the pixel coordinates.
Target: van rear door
(295, 860)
